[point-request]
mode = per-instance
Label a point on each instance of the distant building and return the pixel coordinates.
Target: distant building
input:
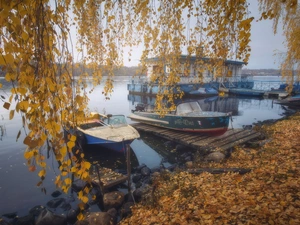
(189, 69)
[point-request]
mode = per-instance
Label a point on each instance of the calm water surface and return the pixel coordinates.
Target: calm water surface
(18, 191)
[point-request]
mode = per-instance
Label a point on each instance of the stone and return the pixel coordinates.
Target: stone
(25, 220)
(72, 215)
(54, 203)
(10, 215)
(126, 209)
(78, 185)
(215, 157)
(47, 217)
(140, 167)
(136, 178)
(55, 194)
(189, 164)
(82, 222)
(155, 169)
(182, 148)
(188, 158)
(97, 218)
(113, 199)
(36, 210)
(140, 192)
(145, 171)
(3, 222)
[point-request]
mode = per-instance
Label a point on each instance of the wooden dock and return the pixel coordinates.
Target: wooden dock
(231, 138)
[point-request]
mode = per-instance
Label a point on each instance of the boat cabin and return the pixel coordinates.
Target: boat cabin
(98, 120)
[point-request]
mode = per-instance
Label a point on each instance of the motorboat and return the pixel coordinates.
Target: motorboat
(187, 117)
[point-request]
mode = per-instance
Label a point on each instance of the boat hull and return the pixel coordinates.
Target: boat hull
(112, 145)
(209, 125)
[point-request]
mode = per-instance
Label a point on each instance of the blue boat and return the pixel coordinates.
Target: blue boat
(108, 131)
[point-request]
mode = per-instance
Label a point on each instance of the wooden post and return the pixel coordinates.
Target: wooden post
(100, 184)
(128, 168)
(129, 171)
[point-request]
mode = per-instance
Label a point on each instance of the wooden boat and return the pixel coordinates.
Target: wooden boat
(109, 131)
(188, 117)
(247, 92)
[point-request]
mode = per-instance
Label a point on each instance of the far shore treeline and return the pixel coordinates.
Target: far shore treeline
(135, 70)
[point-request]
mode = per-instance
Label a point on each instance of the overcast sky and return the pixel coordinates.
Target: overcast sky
(265, 46)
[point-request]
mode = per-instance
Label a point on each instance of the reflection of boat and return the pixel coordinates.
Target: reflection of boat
(203, 92)
(188, 116)
(109, 131)
(292, 101)
(246, 92)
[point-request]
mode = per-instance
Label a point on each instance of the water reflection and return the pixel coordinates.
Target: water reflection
(141, 153)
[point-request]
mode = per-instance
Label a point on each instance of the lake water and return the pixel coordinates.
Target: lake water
(18, 191)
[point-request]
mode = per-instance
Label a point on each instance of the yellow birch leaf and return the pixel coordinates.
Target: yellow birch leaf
(64, 173)
(80, 216)
(6, 105)
(73, 169)
(23, 106)
(19, 133)
(86, 165)
(71, 144)
(28, 155)
(73, 138)
(68, 181)
(43, 164)
(32, 168)
(42, 173)
(85, 175)
(57, 179)
(85, 199)
(63, 151)
(11, 114)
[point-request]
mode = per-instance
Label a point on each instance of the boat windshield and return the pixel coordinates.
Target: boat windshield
(115, 120)
(188, 107)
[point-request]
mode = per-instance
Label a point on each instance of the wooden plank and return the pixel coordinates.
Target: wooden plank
(245, 139)
(197, 140)
(234, 138)
(223, 138)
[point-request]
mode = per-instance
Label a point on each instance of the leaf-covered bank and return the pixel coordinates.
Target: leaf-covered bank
(269, 194)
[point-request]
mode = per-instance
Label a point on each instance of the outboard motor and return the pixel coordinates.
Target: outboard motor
(139, 107)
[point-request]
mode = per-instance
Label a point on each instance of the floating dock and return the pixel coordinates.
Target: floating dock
(231, 138)
(276, 94)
